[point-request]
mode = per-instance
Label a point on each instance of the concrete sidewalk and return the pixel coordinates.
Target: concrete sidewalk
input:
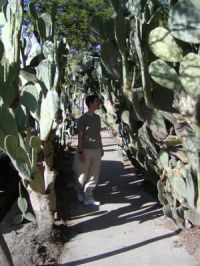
(127, 229)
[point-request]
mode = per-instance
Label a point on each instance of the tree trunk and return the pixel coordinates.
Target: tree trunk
(41, 207)
(5, 256)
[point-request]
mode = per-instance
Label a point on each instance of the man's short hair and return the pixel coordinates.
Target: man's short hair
(90, 99)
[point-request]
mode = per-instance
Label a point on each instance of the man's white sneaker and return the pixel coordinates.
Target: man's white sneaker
(80, 197)
(91, 202)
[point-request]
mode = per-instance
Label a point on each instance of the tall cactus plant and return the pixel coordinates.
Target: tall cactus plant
(30, 108)
(163, 103)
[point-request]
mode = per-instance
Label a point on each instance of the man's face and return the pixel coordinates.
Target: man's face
(96, 103)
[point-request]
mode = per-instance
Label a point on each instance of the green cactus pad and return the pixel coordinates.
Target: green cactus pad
(184, 20)
(97, 27)
(7, 93)
(30, 98)
(163, 98)
(35, 142)
(120, 31)
(49, 51)
(189, 74)
(22, 164)
(37, 184)
(165, 75)
(116, 5)
(164, 46)
(48, 24)
(7, 122)
(1, 74)
(196, 3)
(137, 98)
(10, 144)
(1, 50)
(110, 59)
(190, 187)
(136, 7)
(13, 72)
(29, 216)
(45, 73)
(193, 216)
(22, 204)
(108, 28)
(2, 137)
(146, 142)
(33, 10)
(167, 211)
(162, 199)
(164, 159)
(178, 184)
(18, 219)
(21, 117)
(125, 117)
(172, 140)
(49, 108)
(155, 121)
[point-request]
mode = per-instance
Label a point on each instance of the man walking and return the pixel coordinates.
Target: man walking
(89, 152)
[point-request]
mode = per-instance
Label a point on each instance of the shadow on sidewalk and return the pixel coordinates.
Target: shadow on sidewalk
(123, 190)
(118, 251)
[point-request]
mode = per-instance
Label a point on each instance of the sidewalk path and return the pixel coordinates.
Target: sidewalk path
(127, 229)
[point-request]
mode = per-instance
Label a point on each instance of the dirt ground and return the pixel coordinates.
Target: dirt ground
(189, 238)
(29, 248)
